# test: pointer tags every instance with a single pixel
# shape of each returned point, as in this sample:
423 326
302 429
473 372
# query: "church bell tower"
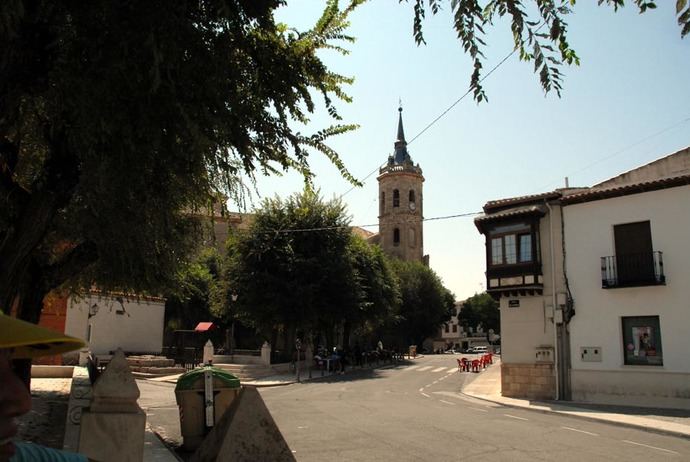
400 203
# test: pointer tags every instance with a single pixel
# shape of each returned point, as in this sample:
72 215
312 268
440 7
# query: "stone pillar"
266 354
113 427
208 352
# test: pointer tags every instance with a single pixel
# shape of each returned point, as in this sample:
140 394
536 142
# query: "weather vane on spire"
399 104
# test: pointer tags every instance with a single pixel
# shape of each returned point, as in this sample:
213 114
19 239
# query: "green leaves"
549 51
683 12
126 121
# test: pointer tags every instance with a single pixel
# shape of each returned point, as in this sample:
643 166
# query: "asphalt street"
416 412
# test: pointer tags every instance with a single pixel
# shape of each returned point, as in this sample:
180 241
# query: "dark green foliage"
300 267
119 118
286 275
426 303
481 309
540 38
196 287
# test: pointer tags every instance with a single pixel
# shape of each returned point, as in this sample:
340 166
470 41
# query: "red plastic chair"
475 365
465 365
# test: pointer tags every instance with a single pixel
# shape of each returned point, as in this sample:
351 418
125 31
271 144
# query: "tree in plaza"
197 285
379 298
299 268
291 269
425 303
480 309
119 118
539 27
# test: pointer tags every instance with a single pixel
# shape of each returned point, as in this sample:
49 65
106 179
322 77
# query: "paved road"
417 413
158 400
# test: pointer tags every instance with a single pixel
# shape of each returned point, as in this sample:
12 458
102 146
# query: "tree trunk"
347 329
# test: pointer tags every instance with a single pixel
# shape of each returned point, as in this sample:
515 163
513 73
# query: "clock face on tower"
412 206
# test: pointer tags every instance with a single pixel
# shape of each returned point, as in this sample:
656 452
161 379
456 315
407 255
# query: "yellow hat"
30 341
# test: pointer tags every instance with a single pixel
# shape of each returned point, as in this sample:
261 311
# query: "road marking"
411 368
425 368
439 369
434 382
422 389
651 447
424 394
477 409
580 431
447 402
515 417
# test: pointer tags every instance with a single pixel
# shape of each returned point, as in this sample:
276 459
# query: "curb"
658 431
317 378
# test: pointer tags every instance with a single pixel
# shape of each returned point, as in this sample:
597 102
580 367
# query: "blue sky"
627 104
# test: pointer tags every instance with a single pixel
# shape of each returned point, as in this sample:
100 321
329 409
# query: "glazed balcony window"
510 249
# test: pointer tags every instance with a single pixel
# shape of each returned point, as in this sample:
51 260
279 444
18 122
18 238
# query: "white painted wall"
524 329
138 329
589 236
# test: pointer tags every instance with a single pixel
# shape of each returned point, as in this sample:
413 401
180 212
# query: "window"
447 328
634 256
512 248
411 197
497 251
396 198
383 203
642 341
396 236
455 328
525 248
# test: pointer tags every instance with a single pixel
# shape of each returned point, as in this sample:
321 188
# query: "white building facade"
594 288
109 322
628 266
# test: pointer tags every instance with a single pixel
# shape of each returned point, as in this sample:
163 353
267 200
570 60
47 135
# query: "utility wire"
621 151
433 122
330 228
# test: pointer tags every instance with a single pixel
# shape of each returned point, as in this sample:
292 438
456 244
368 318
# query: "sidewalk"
487 386
287 379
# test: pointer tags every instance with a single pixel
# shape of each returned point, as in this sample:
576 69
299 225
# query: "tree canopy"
119 121
425 302
300 268
539 28
480 310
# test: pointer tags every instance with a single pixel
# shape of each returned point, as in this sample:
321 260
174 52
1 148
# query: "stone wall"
530 381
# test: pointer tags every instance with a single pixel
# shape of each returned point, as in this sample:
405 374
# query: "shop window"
642 341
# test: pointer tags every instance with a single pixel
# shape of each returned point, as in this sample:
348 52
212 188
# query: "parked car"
478 350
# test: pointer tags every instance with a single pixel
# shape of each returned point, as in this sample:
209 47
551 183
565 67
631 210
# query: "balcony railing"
629 270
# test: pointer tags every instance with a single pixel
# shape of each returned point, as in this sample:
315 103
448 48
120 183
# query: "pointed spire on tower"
401 132
401 155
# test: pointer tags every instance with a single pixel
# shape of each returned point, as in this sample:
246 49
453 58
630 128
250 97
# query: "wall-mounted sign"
513 303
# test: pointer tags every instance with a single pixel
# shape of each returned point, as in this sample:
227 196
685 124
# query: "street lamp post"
298 346
233 297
